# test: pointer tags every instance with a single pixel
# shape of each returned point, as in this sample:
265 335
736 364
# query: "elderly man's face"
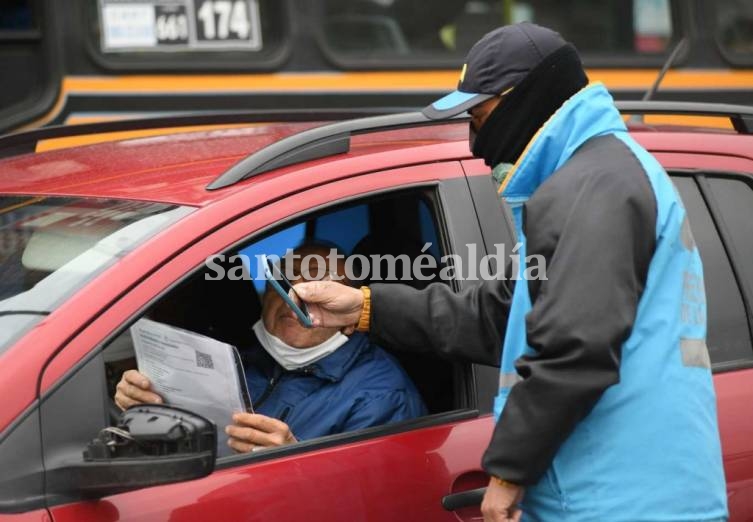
281 321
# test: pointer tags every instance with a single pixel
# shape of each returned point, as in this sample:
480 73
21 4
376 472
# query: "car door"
716 192
719 195
402 471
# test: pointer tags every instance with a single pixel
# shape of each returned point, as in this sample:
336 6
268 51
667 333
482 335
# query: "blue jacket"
605 374
357 386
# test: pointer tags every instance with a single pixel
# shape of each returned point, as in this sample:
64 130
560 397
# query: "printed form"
194 372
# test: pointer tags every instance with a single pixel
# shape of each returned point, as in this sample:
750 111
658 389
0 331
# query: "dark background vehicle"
387 185
83 60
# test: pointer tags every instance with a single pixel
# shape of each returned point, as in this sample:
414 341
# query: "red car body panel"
735 411
354 484
38 515
723 144
175 169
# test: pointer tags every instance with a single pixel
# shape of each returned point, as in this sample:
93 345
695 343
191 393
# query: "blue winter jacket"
357 386
606 404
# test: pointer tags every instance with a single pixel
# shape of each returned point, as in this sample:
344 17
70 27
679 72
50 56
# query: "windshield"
51 247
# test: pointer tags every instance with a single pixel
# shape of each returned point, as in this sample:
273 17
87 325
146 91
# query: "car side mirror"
151 445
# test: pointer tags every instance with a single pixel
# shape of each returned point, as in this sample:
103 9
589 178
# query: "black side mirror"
151 445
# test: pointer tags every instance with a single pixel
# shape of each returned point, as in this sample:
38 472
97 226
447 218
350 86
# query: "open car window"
225 308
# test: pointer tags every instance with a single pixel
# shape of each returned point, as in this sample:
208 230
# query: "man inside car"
305 382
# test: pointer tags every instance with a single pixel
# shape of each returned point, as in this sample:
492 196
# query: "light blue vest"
649 450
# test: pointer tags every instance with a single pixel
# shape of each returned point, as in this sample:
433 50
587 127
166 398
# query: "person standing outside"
606 408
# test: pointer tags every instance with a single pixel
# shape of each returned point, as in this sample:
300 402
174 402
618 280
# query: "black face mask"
520 114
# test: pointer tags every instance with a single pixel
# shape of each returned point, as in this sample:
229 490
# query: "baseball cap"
495 64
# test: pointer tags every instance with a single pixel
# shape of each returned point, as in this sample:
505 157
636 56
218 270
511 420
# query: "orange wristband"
365 319
504 483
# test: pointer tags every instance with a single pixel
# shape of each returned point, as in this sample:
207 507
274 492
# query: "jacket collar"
332 368
587 114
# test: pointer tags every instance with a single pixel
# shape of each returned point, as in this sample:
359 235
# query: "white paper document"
192 371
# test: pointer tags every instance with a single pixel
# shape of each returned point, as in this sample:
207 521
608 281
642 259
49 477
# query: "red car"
94 237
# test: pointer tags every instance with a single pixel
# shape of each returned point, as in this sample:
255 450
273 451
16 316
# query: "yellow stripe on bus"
440 81
391 81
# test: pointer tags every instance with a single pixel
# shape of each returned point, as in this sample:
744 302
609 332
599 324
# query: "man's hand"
134 388
251 431
331 304
501 502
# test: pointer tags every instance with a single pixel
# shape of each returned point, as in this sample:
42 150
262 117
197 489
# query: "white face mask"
292 358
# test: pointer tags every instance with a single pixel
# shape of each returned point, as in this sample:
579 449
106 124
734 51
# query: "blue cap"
496 64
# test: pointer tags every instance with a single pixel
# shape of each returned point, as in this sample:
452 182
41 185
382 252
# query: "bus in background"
93 60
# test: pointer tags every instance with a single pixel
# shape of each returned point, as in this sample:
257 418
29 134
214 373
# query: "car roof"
175 168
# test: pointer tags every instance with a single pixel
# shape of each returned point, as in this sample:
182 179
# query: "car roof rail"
319 142
328 140
26 141
741 116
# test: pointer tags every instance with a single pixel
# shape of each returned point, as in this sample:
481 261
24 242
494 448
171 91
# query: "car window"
404 30
734 30
343 227
16 15
273 245
50 247
728 336
400 224
734 199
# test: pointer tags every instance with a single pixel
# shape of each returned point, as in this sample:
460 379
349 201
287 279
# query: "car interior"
225 309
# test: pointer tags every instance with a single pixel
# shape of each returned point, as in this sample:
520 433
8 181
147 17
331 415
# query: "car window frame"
487 203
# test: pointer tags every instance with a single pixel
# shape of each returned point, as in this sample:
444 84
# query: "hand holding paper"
190 371
252 432
134 388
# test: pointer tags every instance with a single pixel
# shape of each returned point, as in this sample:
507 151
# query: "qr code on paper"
204 360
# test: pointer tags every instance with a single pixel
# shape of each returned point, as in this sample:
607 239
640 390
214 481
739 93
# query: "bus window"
411 32
164 34
27 65
734 30
15 16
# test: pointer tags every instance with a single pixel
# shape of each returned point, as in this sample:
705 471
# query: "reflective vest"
649 450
